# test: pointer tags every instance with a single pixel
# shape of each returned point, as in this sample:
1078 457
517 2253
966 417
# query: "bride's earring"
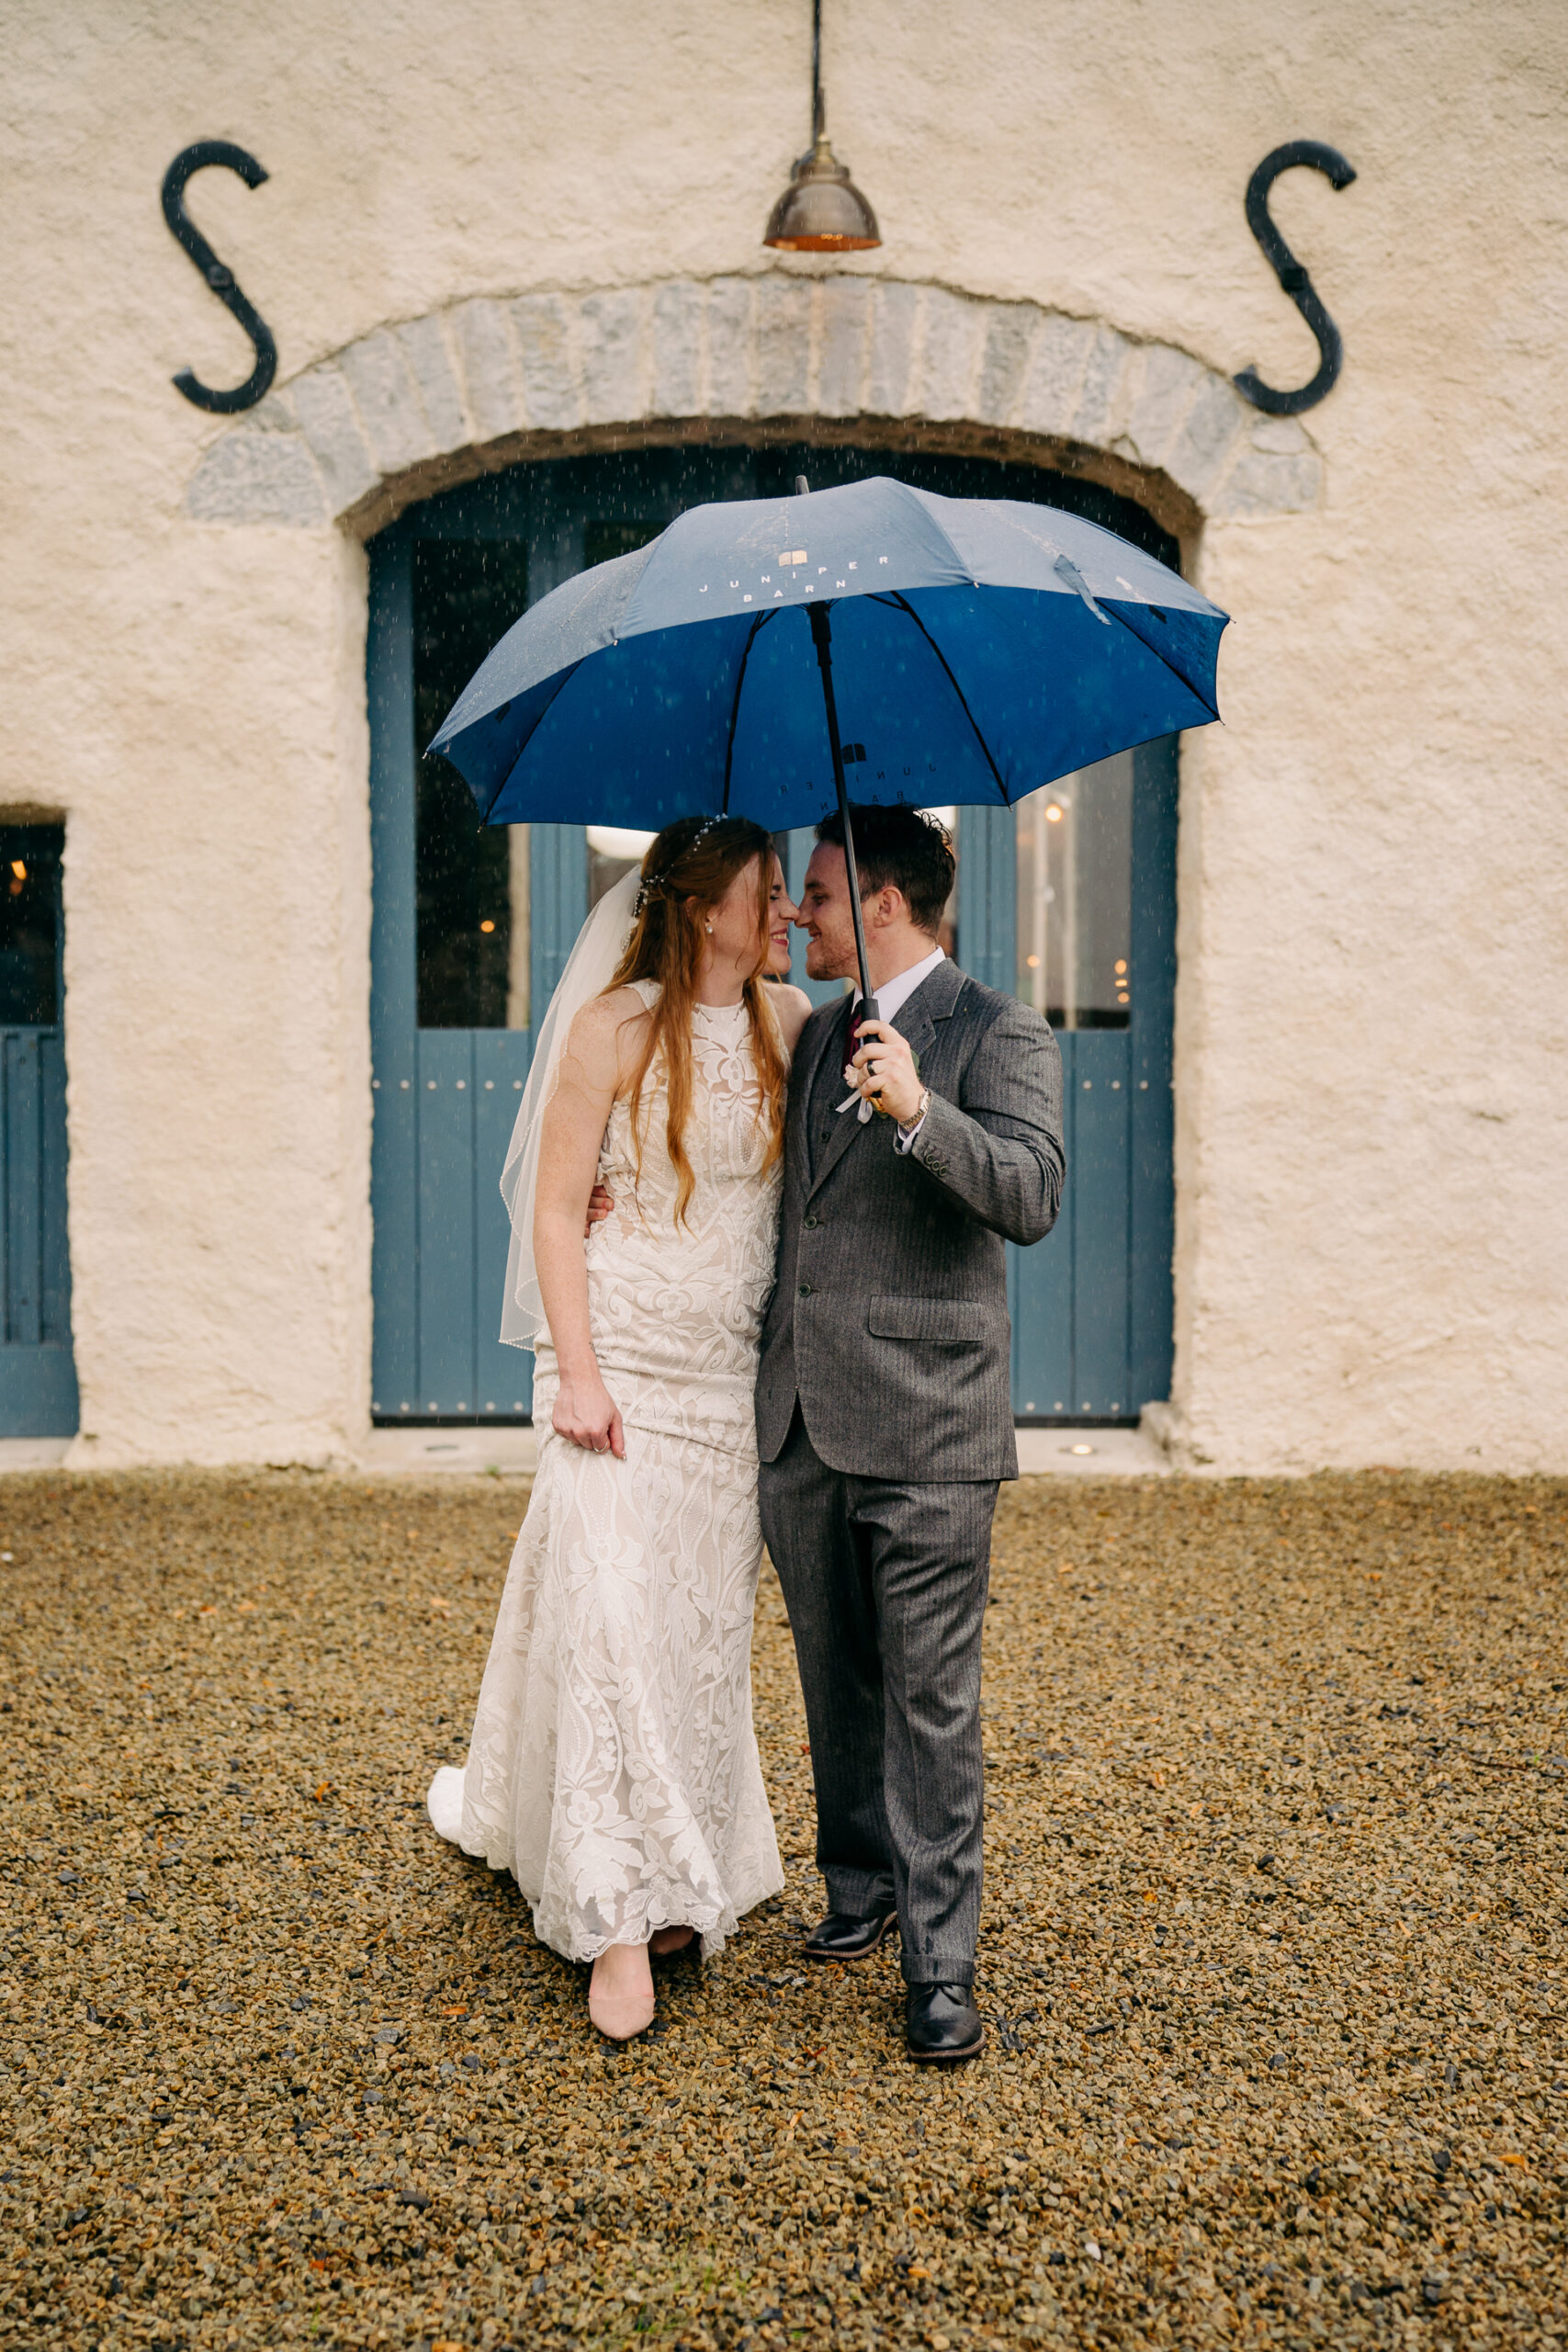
708 928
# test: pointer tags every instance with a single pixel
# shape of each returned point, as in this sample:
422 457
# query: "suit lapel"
816 1041
933 1001
843 1125
919 1021
916 1024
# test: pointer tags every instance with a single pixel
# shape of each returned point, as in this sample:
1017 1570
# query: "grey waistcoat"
888 1319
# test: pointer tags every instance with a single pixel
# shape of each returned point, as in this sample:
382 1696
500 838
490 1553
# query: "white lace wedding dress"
613 1766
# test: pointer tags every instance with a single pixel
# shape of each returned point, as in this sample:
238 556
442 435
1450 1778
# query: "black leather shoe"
942 2024
841 1937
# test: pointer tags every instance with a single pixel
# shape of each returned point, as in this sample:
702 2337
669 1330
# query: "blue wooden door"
38 1371
471 930
445 1084
1092 1306
1074 900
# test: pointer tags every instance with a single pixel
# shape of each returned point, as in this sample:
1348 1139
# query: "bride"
613 1766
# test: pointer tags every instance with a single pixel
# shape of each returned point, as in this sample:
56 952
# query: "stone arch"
410 409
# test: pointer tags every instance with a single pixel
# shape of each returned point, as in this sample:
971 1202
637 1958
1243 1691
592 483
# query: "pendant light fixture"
821 211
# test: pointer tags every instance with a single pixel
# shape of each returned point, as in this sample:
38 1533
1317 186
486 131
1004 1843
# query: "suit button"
810 1223
805 1290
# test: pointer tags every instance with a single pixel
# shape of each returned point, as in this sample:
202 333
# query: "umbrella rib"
565 679
735 706
1150 648
905 606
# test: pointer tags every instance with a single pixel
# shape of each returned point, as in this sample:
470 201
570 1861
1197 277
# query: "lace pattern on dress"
614 1767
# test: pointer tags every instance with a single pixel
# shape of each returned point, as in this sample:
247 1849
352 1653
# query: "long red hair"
688 869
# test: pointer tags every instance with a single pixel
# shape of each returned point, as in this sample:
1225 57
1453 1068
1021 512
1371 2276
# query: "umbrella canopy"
977 649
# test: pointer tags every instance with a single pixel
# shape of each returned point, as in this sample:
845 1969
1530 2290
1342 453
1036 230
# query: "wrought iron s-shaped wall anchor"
1293 278
218 275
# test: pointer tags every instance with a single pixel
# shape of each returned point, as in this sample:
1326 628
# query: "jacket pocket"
939 1322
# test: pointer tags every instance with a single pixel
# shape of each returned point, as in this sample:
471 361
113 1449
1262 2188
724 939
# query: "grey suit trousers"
886 1586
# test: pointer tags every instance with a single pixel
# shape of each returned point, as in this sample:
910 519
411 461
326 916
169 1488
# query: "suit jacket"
888 1318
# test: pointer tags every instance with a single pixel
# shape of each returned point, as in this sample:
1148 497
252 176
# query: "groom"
883 1407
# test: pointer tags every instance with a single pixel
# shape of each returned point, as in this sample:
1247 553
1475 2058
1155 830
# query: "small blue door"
38 1370
1069 902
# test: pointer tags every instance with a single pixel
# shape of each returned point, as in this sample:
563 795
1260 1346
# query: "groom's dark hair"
902 849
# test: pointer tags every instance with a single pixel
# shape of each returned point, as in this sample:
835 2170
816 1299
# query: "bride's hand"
587 1415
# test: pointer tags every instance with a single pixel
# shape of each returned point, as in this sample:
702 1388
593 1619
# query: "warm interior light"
1032 962
1121 964
1080 1449
618 841
18 867
487 926
1054 814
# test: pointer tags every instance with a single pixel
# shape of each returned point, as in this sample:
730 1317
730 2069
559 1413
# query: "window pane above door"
1075 898
29 924
466 594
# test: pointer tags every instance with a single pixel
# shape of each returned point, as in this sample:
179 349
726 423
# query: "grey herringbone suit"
884 1422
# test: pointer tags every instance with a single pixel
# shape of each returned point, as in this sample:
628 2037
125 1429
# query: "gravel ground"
1273 1953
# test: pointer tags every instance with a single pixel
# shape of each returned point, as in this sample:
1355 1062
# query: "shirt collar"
894 994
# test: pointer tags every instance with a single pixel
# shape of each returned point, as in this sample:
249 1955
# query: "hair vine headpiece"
654 883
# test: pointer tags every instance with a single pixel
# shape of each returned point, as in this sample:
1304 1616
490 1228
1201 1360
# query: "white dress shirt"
890 997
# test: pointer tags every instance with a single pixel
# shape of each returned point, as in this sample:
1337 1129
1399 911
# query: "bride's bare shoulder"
607 1033
793 1007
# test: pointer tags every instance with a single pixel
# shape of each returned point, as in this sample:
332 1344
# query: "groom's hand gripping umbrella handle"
866 1009
867 1013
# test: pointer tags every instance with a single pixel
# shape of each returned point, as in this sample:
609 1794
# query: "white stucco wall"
1371 1026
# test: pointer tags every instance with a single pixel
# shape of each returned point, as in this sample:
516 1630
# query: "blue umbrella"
761 656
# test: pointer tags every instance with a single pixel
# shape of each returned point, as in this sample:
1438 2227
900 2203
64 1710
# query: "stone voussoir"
483 370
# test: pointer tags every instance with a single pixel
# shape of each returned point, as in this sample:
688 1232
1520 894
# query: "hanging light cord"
818 111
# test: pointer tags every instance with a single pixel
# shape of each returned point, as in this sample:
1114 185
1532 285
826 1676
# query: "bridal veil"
590 969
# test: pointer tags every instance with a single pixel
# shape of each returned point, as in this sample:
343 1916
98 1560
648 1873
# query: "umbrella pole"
822 638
